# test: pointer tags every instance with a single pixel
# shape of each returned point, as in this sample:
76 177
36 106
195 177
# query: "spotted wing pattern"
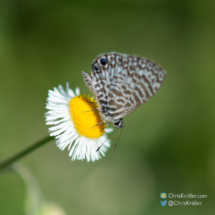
124 83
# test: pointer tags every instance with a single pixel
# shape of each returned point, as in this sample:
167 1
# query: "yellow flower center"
84 118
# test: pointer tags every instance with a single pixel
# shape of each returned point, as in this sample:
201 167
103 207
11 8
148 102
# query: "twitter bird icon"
163 203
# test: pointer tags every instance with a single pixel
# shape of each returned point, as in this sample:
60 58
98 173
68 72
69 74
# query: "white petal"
108 130
77 91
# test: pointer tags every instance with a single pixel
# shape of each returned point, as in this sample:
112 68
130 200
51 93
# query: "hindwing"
125 83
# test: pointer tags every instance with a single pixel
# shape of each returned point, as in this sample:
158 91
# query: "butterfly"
122 83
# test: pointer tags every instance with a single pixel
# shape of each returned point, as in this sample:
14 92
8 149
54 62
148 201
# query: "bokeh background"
168 145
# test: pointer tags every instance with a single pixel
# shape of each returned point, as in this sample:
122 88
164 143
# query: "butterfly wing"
134 81
144 80
124 84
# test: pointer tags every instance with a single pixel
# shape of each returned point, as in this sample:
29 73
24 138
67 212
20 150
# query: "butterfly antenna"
118 139
105 140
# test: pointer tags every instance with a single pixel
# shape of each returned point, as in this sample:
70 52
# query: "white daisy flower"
73 124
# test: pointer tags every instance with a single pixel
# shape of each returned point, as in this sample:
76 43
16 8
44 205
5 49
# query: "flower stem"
6 163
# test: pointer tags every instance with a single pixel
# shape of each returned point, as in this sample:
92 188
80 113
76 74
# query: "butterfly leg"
118 138
102 123
91 110
92 102
105 140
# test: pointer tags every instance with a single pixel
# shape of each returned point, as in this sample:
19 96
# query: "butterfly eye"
103 62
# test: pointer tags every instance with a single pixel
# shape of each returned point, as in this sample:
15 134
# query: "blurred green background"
167 145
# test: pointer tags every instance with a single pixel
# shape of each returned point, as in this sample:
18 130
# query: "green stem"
6 163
